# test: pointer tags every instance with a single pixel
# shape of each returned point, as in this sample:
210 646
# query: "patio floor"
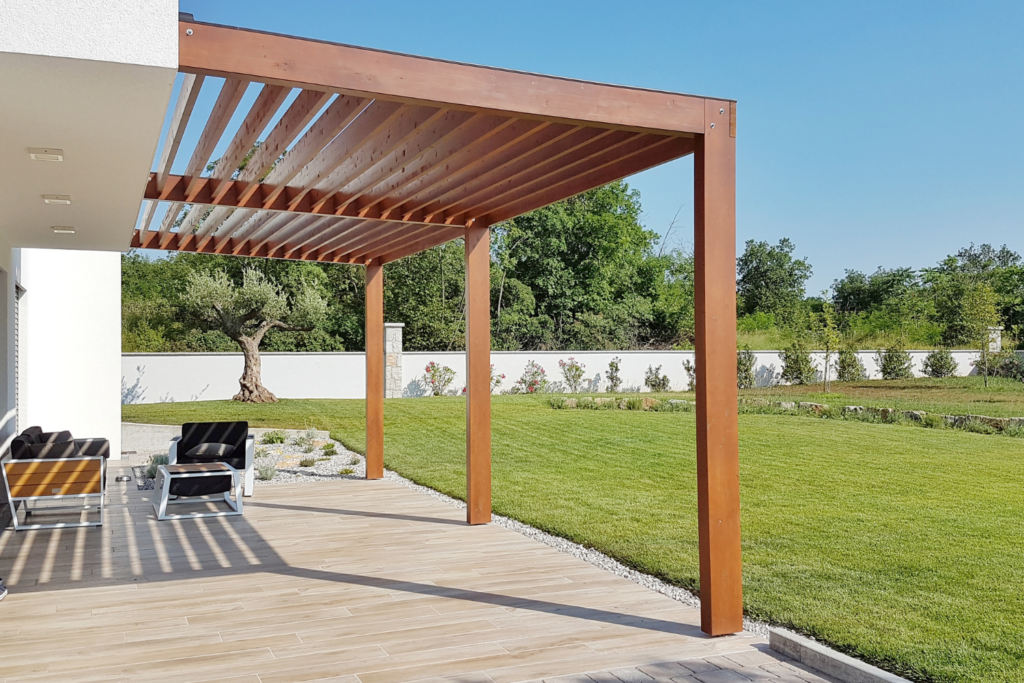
349 581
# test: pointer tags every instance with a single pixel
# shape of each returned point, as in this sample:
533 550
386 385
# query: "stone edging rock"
957 421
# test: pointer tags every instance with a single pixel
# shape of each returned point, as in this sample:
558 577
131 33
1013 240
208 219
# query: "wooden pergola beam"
270 58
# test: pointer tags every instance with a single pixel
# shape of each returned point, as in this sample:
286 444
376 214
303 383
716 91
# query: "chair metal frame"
164 478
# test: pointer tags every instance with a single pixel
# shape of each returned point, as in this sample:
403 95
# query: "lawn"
900 545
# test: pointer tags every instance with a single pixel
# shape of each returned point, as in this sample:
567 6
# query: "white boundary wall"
166 377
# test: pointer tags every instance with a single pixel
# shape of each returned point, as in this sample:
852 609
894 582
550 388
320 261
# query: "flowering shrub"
495 379
572 371
533 380
438 378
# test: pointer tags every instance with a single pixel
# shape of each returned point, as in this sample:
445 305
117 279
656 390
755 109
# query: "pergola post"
374 370
718 480
478 374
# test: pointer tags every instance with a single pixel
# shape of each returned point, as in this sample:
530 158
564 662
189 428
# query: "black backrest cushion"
212 452
54 437
54 450
230 433
32 432
19 446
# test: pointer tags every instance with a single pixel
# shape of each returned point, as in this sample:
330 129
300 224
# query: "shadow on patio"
318 580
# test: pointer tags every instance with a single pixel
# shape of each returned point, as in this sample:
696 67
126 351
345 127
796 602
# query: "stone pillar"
393 360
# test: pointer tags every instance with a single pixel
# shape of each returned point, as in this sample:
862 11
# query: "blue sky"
871 134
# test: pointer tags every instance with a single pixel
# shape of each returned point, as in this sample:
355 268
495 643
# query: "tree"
977 315
246 313
827 333
770 280
589 267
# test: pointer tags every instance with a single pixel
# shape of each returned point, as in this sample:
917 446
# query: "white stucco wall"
166 377
71 342
124 31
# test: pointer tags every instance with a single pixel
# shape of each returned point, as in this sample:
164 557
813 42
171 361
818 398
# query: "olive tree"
246 312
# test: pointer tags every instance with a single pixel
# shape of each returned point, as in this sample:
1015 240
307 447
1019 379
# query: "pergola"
381 155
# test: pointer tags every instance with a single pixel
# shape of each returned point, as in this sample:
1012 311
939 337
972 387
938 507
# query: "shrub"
438 378
933 421
634 403
495 379
586 403
745 368
691 375
1009 364
894 362
558 402
266 471
533 380
154 462
274 436
307 462
1016 431
330 450
614 379
849 368
978 427
572 372
654 380
672 407
939 363
797 366
346 470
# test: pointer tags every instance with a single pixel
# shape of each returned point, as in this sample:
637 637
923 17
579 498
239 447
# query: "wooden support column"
718 477
374 370
478 375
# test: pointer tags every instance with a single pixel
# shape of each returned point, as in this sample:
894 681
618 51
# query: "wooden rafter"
362 164
187 95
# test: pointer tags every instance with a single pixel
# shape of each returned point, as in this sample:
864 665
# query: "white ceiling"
107 117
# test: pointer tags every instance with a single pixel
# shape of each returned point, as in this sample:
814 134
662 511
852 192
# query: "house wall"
166 377
71 342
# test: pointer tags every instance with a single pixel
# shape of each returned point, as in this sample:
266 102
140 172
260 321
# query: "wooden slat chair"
52 467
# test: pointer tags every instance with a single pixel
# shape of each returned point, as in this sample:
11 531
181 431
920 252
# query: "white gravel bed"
286 457
328 470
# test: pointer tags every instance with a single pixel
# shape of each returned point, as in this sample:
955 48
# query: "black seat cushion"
211 452
94 447
51 451
200 486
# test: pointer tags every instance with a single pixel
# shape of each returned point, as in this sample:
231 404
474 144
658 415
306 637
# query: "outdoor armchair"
212 442
53 466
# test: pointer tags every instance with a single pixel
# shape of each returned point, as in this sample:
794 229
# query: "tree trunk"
252 390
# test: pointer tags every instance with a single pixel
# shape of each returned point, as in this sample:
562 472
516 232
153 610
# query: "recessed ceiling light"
57 198
45 154
63 230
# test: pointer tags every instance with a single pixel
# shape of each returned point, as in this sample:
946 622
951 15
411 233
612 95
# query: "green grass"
897 544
